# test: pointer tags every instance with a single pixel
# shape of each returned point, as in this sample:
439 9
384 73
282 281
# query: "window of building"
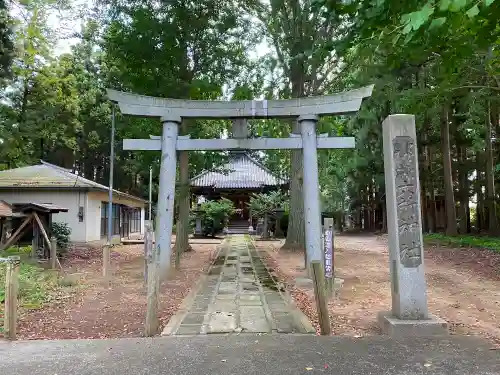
115 219
135 220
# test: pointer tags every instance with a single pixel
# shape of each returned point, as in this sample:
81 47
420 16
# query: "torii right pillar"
409 315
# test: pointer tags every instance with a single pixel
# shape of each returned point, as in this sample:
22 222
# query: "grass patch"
36 284
480 242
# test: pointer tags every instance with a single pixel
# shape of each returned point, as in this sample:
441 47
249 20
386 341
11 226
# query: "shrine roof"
240 172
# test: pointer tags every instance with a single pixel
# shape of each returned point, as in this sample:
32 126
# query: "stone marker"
198 230
409 315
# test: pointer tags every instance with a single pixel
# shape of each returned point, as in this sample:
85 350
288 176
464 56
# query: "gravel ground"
463 285
96 309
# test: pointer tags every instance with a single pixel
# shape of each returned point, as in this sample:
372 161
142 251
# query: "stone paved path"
238 295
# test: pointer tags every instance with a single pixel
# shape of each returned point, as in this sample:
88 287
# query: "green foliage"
479 242
267 203
35 285
6 44
424 57
215 215
62 233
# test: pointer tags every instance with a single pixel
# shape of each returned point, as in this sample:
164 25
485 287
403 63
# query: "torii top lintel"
148 106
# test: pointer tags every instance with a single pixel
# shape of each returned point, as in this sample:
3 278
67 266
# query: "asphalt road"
251 354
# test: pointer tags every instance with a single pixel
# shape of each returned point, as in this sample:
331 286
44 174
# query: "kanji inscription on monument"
409 233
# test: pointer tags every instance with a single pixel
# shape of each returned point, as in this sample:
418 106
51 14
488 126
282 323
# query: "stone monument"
409 315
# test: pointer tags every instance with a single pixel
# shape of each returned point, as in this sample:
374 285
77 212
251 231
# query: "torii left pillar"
165 218
165 206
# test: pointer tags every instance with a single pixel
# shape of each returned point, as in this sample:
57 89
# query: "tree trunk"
480 222
384 216
490 178
463 188
451 216
265 227
182 235
368 215
296 237
423 166
432 194
423 192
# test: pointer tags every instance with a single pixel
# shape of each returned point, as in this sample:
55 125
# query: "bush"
62 233
215 215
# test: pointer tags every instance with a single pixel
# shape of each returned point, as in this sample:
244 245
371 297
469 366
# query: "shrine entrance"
401 174
305 110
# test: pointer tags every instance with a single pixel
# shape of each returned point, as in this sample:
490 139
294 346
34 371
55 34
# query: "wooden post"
148 249
53 253
34 241
321 298
105 260
11 289
153 290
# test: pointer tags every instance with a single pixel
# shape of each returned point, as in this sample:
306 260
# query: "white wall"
93 225
67 199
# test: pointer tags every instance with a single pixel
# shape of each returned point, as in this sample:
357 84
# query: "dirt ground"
463 285
95 309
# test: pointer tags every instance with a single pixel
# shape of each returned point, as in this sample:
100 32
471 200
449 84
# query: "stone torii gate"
409 315
172 111
306 110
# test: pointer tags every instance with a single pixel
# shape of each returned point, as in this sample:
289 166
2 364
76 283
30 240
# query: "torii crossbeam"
305 110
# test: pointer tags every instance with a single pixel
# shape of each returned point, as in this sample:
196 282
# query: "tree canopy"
438 60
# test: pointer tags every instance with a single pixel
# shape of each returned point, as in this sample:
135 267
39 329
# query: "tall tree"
178 49
297 31
6 43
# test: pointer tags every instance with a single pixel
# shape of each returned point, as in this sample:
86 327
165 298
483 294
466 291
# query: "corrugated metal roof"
46 175
241 172
48 207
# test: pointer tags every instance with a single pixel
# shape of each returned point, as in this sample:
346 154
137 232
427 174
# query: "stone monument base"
394 327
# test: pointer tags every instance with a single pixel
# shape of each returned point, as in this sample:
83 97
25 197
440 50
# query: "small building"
237 180
86 201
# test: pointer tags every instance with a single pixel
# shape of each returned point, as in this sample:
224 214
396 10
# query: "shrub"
215 215
62 233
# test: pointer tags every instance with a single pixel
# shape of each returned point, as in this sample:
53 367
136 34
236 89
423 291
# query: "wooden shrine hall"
237 180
